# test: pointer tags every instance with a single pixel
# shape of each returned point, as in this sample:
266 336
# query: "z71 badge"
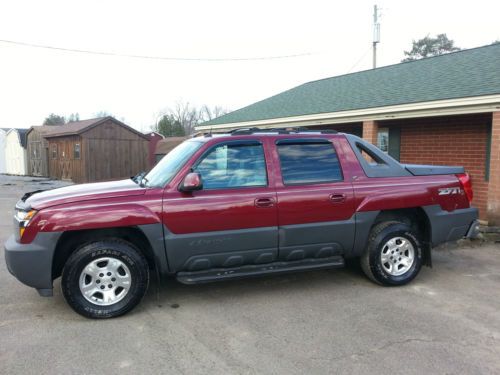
449 191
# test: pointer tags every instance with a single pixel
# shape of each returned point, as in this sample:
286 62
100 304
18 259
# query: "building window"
76 151
54 151
383 139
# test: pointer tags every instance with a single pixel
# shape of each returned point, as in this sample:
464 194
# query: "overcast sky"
337 34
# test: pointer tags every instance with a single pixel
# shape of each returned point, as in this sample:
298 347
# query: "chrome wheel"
397 256
105 281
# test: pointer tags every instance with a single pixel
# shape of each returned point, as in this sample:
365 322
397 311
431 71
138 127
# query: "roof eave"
476 104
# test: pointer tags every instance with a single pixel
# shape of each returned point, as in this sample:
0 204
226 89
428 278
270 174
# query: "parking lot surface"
320 322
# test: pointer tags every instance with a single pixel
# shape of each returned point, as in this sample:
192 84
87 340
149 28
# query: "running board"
220 274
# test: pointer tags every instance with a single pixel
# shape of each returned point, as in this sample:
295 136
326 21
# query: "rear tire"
394 254
105 279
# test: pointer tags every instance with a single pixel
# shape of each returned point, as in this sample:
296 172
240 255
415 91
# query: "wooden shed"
37 151
15 152
154 138
166 145
96 150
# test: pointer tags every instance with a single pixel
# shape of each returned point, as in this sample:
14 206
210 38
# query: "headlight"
25 215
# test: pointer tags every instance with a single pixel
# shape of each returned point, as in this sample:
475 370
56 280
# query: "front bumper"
31 263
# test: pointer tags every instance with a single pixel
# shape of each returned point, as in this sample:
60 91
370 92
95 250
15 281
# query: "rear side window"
233 166
308 163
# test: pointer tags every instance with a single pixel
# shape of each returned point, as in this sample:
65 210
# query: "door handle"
337 198
264 202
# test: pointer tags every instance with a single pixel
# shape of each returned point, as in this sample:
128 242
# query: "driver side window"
233 165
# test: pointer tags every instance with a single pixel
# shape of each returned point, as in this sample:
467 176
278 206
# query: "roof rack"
288 130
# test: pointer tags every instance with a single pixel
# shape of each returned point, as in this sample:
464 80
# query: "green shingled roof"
473 72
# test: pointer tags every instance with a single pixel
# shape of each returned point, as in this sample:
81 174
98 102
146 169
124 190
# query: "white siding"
15 154
2 151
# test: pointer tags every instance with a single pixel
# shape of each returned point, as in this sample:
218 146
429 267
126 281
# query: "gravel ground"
321 322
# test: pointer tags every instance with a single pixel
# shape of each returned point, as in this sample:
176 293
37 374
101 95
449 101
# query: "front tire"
394 254
105 279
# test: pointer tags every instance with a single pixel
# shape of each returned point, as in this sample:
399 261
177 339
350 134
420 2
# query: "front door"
315 203
232 221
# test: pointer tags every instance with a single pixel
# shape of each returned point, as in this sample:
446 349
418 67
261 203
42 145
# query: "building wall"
355 128
3 166
494 188
154 138
15 154
113 151
62 162
457 140
37 153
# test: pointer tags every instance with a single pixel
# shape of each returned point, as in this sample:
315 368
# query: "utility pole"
376 34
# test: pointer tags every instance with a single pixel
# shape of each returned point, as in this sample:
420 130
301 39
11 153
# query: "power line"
102 53
360 59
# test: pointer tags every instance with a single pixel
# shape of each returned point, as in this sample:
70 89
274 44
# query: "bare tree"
102 114
189 116
186 114
209 113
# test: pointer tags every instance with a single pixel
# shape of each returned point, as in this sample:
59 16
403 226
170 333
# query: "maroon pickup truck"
248 203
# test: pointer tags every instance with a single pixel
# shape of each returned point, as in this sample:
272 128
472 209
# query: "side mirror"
192 182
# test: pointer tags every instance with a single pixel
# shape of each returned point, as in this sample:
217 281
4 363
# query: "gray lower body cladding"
32 263
234 248
453 225
230 248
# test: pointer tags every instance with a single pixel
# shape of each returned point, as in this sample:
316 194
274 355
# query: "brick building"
440 110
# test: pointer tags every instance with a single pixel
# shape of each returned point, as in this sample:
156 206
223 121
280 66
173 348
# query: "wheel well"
72 240
417 219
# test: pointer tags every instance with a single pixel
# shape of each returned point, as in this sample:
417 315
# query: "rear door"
230 222
315 201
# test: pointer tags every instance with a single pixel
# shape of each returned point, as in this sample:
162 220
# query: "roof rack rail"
287 130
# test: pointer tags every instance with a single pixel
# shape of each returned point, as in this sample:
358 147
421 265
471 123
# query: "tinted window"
233 166
306 163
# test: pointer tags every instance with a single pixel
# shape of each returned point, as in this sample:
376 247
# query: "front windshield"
166 169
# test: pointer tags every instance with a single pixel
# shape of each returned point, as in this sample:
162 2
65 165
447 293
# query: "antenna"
376 34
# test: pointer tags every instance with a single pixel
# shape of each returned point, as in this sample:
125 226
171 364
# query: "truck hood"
82 192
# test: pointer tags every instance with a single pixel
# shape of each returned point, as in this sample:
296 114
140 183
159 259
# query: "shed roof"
466 73
42 128
21 134
166 145
154 134
79 127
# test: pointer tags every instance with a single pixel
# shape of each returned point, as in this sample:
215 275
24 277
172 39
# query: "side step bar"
220 274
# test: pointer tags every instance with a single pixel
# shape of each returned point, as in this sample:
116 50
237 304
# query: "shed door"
36 158
65 161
